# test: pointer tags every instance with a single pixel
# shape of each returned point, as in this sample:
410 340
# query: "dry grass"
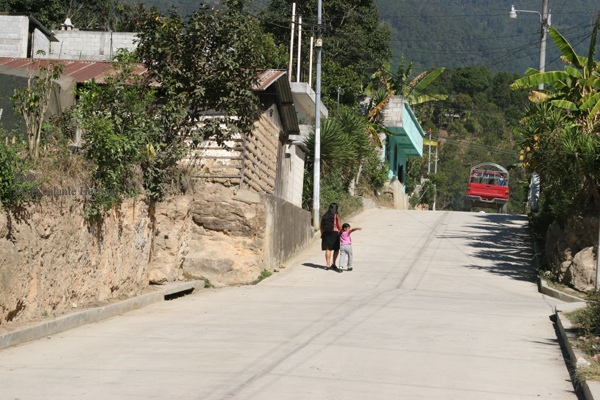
590 372
566 289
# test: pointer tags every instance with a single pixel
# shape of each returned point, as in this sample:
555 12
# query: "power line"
561 8
476 39
413 16
479 146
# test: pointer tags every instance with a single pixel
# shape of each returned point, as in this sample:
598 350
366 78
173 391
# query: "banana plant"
400 84
389 86
574 89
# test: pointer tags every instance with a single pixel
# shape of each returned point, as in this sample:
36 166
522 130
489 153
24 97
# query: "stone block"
247 196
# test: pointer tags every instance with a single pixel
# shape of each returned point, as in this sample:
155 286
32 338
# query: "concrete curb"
547 290
94 314
591 389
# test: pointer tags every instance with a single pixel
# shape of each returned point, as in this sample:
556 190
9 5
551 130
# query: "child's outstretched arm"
355 229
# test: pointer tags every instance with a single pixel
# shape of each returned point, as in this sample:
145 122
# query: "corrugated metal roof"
85 71
266 77
82 71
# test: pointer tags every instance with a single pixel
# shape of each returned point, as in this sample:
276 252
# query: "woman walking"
331 225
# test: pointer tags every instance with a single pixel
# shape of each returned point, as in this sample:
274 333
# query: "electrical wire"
561 8
412 16
476 39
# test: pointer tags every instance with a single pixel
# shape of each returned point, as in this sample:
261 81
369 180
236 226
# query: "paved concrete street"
440 305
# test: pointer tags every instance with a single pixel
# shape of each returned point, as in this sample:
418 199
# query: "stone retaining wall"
571 251
51 259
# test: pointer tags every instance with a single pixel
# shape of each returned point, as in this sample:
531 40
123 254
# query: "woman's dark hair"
329 218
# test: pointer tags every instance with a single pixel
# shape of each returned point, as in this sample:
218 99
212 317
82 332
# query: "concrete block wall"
40 42
394 111
293 175
14 34
90 45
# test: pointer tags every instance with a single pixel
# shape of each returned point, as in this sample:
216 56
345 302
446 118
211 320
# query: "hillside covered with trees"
457 33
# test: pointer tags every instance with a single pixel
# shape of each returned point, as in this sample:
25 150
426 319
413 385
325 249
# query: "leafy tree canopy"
117 14
205 61
354 42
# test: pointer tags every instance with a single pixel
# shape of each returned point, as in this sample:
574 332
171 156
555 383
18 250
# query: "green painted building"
407 140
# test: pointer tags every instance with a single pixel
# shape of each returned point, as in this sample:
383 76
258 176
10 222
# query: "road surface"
440 305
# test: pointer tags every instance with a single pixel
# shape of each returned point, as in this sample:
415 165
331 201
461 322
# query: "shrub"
14 179
588 320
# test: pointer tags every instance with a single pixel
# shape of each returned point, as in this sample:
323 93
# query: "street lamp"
545 21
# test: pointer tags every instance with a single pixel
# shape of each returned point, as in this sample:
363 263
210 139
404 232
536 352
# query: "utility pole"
429 159
338 103
317 164
299 47
435 172
292 42
312 39
436 156
545 25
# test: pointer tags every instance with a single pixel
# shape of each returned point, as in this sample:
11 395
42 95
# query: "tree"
354 41
117 14
205 61
32 102
471 80
402 85
121 130
575 88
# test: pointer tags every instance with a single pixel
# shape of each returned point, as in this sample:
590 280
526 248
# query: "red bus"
487 187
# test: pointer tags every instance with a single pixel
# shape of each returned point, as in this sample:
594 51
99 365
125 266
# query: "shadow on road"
311 265
502 244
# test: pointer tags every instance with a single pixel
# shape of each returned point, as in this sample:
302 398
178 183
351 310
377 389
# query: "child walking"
346 245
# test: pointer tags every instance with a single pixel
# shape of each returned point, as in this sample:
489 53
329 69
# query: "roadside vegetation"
587 337
560 140
559 137
134 128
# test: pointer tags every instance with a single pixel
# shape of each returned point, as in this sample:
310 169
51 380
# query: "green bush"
345 149
16 183
375 171
334 189
588 320
119 125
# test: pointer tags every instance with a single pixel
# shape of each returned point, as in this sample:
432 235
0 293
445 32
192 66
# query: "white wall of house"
304 102
293 178
14 34
88 45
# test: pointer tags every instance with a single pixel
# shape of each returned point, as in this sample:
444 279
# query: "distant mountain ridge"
454 33
458 33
